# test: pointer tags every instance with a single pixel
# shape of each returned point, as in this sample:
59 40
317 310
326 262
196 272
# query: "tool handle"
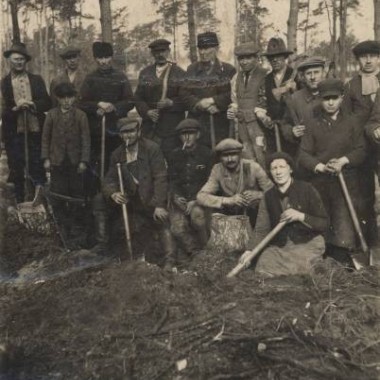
103 149
277 137
125 212
247 260
212 131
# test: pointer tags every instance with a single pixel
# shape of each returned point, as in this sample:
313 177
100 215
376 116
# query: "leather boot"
101 233
169 248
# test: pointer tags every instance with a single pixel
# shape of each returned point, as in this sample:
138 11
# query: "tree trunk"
376 26
305 41
342 39
15 25
292 25
106 20
334 34
192 30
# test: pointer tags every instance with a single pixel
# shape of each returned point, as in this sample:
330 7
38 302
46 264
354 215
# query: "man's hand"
262 115
376 133
166 103
119 198
292 215
180 202
252 196
153 115
100 112
213 109
47 165
190 205
298 130
336 164
160 214
235 200
106 107
205 103
82 167
322 168
232 112
23 105
244 257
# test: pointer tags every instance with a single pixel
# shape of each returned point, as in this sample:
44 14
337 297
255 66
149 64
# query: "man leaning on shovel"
24 101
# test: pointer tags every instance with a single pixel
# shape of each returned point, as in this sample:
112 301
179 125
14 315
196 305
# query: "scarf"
370 83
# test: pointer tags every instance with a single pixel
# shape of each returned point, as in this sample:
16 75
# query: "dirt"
133 320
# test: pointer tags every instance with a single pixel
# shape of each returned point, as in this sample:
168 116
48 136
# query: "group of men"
186 122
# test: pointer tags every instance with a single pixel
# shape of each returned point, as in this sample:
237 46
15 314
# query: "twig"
160 322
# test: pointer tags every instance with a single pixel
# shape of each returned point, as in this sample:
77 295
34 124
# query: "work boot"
101 234
169 248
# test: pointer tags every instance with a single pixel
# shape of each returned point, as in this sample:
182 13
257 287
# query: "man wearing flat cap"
146 190
360 97
249 103
235 184
24 95
279 84
300 106
72 72
207 89
334 143
189 168
106 92
157 97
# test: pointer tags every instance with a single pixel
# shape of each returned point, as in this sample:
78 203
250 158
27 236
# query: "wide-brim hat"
207 39
276 46
228 146
128 123
330 87
246 49
188 125
160 44
19 48
367 47
102 49
69 51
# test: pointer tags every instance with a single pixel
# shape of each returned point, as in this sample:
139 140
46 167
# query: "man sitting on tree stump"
235 185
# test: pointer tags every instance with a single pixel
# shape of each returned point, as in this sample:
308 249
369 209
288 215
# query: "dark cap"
280 156
19 48
207 39
64 89
366 47
128 123
276 46
330 87
246 49
188 125
69 51
315 61
228 146
160 44
102 49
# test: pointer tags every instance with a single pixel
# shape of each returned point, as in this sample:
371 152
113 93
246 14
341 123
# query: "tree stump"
229 233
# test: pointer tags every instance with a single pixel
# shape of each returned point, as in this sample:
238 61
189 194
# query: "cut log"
229 233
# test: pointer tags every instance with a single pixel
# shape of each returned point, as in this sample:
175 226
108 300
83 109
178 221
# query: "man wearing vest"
160 115
249 103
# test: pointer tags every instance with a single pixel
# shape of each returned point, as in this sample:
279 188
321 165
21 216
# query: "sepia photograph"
189 189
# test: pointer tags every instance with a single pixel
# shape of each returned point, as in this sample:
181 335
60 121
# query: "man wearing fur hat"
105 92
279 83
249 103
157 98
72 72
207 89
235 184
24 98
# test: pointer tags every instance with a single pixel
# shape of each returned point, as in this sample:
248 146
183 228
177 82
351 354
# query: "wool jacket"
151 174
60 139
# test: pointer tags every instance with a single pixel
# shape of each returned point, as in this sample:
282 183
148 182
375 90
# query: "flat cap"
128 123
247 48
228 145
311 62
188 125
69 51
207 39
367 47
160 44
330 87
102 49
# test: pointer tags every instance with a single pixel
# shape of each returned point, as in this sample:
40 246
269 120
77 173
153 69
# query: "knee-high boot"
168 246
101 233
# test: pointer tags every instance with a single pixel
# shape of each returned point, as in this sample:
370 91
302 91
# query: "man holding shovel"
334 144
25 100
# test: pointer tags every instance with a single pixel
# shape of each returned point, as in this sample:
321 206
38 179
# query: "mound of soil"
136 321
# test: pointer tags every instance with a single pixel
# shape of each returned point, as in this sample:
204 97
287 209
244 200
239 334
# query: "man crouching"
146 187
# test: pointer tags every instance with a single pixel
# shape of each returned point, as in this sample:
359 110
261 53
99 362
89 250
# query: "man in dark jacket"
24 100
334 143
157 98
146 186
207 89
106 92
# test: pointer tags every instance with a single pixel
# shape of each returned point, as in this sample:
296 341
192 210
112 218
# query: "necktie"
246 77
